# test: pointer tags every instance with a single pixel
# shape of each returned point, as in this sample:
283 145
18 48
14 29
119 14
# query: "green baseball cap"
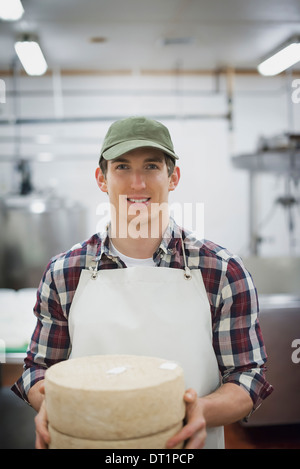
136 132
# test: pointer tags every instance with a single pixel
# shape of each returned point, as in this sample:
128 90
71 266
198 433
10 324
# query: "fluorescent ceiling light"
288 55
31 56
11 10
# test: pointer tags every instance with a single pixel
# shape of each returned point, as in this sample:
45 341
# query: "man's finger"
190 395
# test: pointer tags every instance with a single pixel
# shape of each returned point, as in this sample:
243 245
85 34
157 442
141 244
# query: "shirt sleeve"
50 341
237 336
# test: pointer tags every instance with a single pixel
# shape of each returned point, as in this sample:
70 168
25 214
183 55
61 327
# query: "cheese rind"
84 399
157 441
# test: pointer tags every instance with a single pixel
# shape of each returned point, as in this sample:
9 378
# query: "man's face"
138 185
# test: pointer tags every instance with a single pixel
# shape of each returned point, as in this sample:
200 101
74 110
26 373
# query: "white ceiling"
222 33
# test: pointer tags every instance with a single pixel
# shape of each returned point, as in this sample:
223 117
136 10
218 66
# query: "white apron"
150 311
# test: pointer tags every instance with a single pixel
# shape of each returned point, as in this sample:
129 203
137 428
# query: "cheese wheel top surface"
113 372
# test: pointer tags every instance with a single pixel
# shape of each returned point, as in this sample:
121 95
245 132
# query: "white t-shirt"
132 261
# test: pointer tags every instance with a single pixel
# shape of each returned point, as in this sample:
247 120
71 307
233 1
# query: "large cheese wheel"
156 441
114 397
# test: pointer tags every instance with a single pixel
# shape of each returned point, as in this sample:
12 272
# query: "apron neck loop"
187 271
94 269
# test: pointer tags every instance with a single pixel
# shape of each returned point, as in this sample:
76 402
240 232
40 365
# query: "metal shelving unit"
279 156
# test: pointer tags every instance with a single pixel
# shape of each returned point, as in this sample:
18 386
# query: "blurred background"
193 65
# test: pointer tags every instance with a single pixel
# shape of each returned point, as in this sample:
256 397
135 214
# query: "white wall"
261 107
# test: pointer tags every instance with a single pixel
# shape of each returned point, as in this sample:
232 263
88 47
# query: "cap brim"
124 147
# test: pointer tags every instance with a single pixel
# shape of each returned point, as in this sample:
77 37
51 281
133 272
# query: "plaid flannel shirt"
237 338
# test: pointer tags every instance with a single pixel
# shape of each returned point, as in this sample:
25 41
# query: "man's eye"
152 166
122 166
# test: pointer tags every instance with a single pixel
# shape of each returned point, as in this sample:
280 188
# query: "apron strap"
187 271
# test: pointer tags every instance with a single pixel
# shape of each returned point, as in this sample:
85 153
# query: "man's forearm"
226 405
36 395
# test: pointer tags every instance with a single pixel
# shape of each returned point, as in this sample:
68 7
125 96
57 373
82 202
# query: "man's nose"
137 180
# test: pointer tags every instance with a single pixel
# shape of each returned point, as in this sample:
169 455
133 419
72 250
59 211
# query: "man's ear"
174 179
101 181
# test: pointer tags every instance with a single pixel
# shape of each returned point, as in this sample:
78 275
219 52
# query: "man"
146 286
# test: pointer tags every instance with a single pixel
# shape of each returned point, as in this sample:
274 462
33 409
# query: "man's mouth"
139 200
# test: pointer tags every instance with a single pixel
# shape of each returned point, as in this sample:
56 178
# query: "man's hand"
228 404
41 429
195 429
36 398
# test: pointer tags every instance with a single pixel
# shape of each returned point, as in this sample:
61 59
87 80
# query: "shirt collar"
168 243
170 238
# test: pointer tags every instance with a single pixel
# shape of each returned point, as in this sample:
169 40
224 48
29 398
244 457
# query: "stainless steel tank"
34 228
280 325
278 284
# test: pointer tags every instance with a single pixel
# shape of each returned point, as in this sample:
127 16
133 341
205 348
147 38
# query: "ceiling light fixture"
31 55
285 56
11 10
